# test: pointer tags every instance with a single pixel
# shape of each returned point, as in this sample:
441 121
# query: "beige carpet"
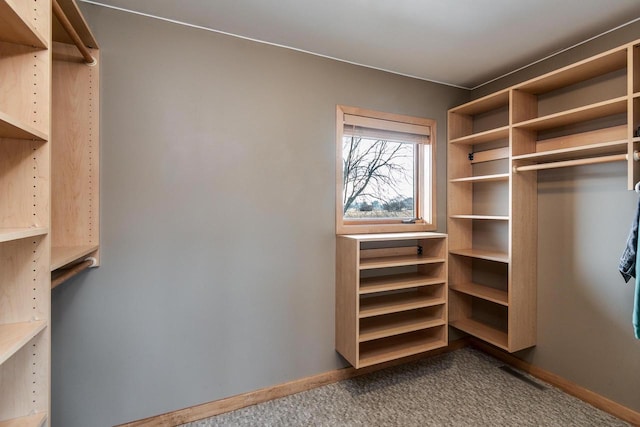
462 388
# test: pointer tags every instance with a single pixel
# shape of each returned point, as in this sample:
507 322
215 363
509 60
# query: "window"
384 172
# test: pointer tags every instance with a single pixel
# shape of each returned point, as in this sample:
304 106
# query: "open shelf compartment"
398 346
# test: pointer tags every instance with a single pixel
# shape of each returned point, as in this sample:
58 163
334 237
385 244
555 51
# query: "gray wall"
584 306
218 186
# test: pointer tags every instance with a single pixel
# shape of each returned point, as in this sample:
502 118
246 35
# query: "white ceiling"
458 42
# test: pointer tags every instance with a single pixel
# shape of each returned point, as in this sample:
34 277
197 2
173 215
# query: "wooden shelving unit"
496 145
391 296
75 204
25 148
480 184
31 132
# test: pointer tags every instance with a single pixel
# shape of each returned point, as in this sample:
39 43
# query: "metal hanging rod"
66 24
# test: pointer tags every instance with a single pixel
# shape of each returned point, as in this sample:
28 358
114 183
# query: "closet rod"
66 24
72 271
567 163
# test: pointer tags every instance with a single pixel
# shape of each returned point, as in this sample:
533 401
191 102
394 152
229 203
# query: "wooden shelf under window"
497 296
383 350
482 254
397 261
395 324
482 217
395 282
13 336
15 29
36 420
392 303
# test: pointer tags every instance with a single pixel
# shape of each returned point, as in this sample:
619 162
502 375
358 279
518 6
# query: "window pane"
379 178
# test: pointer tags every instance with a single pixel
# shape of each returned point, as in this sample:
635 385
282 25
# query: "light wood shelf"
482 254
387 349
576 115
482 137
397 261
615 59
11 234
497 296
483 178
481 105
61 256
14 336
590 150
396 282
395 324
482 331
13 128
36 420
482 217
393 303
16 29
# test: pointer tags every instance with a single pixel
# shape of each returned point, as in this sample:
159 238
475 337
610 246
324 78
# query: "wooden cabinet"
585 113
25 147
75 152
27 174
391 295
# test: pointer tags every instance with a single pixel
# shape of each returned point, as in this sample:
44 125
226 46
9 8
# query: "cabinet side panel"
523 266
75 149
347 279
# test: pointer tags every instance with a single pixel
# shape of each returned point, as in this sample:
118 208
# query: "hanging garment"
636 304
630 265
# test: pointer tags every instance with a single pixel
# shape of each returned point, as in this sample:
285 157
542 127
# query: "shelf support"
68 27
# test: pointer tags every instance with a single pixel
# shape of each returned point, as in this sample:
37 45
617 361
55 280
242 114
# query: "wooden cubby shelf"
13 128
395 324
386 349
13 336
589 68
393 303
485 292
482 254
391 295
482 137
14 28
590 150
482 331
11 234
36 420
396 282
576 115
397 261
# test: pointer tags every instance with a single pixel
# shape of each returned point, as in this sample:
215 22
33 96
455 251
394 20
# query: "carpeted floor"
462 388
